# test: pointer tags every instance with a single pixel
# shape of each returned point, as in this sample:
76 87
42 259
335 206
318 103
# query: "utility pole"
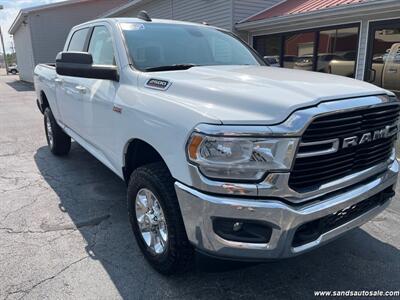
4 49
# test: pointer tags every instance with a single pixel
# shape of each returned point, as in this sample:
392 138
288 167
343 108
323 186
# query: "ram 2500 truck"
221 153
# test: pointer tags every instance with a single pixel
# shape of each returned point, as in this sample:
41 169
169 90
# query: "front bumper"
198 210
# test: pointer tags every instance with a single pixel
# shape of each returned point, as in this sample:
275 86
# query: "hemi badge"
158 84
117 109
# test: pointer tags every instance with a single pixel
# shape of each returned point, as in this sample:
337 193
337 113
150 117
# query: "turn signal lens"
193 146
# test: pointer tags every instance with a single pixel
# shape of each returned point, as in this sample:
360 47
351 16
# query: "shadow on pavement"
94 198
21 86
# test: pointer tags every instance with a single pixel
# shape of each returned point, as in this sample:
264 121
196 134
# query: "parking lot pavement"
64 233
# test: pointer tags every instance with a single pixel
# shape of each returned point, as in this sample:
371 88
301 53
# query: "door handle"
81 89
58 80
393 71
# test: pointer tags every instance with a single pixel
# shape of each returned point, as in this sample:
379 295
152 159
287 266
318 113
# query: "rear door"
68 89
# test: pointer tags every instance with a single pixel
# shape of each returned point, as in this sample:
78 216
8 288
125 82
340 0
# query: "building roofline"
121 8
337 11
262 11
26 11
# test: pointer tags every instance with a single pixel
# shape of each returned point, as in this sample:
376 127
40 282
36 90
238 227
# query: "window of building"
383 59
299 51
101 47
78 40
337 51
270 48
331 50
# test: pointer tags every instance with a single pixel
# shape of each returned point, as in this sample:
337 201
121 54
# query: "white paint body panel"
165 119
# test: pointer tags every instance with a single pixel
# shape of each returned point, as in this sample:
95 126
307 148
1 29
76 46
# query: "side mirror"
80 64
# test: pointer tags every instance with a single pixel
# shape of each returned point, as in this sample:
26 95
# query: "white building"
220 13
40 32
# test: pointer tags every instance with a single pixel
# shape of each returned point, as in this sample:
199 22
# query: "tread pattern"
180 253
62 141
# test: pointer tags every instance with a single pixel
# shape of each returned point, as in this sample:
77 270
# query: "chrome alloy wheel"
49 132
151 221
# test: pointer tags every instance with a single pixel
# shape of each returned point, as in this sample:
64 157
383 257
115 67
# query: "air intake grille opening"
311 172
311 231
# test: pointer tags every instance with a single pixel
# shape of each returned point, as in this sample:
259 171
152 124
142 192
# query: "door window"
101 47
78 40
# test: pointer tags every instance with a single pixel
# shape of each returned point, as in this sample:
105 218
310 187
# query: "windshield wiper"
171 67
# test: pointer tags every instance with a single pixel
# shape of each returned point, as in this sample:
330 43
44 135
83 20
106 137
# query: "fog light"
237 226
242 230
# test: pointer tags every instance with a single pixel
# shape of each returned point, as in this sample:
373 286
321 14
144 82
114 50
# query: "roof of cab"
137 20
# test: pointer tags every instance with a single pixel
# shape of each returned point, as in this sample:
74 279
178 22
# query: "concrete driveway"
64 233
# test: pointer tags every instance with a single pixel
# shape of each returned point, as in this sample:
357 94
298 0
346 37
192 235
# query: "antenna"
143 15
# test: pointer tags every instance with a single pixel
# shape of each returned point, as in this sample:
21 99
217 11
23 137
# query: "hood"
255 94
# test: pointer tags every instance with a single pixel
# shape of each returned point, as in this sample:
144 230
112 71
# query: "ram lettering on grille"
339 144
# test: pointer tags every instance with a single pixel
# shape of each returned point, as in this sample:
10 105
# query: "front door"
382 67
98 102
69 90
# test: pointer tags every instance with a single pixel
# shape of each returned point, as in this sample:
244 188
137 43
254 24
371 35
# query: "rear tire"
175 253
59 142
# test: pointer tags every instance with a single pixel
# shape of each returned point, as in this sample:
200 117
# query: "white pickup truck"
221 153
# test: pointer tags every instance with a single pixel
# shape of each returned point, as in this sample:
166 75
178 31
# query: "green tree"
11 59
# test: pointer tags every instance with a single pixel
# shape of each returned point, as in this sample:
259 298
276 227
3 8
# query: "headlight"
240 158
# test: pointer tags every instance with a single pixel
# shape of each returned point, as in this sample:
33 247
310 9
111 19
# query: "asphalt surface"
64 233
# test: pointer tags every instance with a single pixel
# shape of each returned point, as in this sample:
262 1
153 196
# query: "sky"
10 12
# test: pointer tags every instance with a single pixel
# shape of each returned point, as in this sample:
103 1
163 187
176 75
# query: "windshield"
153 45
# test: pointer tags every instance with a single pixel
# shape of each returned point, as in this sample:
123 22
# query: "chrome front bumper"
198 209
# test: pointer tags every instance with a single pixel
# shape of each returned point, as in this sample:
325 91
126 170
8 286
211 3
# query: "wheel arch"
138 153
44 103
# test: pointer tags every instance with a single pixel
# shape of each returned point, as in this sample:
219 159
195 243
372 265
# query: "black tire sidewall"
140 183
61 141
49 116
178 256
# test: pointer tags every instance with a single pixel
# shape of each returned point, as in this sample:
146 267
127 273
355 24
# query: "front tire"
156 219
59 142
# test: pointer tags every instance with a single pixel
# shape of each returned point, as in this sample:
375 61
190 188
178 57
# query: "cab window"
78 40
101 47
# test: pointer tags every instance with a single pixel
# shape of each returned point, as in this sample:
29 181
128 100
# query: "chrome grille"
311 171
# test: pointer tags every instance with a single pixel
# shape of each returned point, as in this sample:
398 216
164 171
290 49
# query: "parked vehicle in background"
289 61
305 63
272 61
13 69
385 68
391 70
346 67
220 152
